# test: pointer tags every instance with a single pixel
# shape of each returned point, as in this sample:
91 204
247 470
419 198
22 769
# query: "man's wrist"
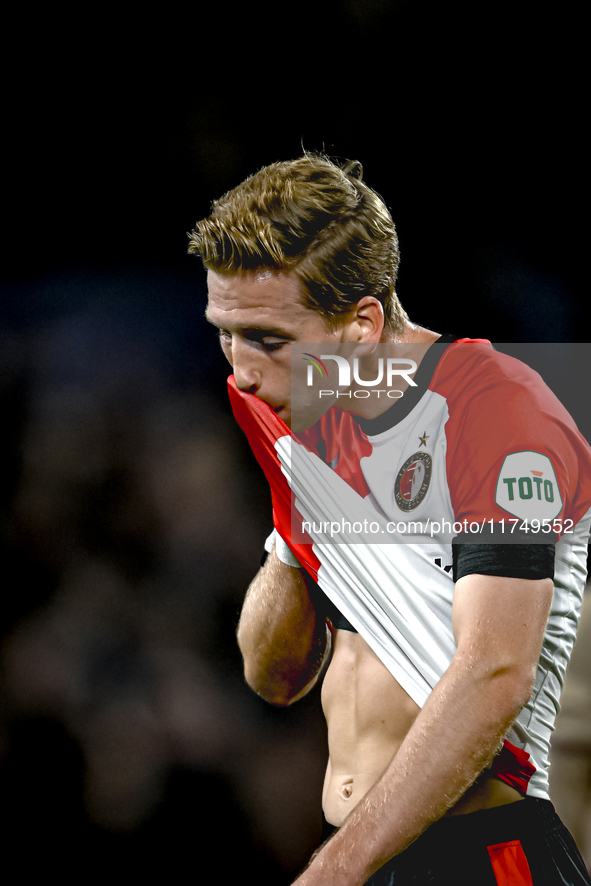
282 550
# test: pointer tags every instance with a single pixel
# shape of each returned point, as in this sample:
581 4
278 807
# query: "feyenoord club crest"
413 481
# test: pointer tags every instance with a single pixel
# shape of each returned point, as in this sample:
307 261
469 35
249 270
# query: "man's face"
259 316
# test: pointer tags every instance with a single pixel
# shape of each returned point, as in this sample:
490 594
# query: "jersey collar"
403 407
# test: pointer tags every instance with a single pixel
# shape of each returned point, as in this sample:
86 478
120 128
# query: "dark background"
132 515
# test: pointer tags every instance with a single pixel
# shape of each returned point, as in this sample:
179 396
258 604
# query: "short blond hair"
317 218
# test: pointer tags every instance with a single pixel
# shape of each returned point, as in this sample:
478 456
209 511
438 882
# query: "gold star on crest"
423 439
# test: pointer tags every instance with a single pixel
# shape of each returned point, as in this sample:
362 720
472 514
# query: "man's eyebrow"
209 319
256 329
266 330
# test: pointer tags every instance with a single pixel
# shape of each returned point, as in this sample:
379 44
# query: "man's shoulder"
469 357
473 371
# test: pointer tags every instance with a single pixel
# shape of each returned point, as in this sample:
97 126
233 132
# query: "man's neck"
410 333
411 342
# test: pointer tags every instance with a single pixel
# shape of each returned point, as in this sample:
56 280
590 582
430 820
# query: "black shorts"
520 844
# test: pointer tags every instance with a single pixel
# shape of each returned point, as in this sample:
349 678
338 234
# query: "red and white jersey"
485 442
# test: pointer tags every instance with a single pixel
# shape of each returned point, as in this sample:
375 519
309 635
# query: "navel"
346 789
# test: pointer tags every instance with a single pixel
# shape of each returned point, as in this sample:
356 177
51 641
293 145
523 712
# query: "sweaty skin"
368 715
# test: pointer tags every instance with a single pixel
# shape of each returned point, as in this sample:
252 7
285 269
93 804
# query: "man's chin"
305 415
285 416
302 422
300 419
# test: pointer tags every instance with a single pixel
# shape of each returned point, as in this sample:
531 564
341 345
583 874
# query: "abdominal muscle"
369 715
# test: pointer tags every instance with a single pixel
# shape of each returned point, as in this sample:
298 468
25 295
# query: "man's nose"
244 359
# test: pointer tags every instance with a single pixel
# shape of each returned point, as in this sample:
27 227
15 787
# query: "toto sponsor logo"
527 487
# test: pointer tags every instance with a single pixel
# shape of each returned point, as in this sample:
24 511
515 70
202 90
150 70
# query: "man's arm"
499 625
282 634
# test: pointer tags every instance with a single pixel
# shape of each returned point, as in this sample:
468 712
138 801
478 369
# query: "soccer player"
442 658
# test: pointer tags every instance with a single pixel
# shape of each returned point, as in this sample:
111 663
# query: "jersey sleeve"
516 462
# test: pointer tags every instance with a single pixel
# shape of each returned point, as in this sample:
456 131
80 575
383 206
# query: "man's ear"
366 322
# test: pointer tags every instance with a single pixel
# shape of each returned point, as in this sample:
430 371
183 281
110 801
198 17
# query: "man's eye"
267 342
273 344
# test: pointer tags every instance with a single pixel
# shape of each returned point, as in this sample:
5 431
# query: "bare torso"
368 716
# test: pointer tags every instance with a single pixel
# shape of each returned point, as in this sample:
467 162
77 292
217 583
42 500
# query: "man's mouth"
281 410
